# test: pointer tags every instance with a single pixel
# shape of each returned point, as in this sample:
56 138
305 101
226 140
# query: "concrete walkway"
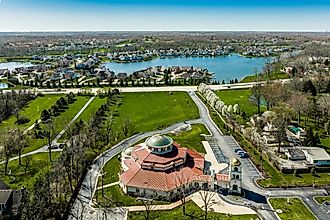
216 205
107 185
210 157
83 203
220 206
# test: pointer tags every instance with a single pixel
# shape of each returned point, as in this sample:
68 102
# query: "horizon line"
77 31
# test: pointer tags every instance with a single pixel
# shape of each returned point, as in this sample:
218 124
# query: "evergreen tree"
308 87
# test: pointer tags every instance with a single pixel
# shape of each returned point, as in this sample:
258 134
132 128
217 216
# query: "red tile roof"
139 177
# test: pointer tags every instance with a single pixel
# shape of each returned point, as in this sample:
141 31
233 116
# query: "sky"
164 15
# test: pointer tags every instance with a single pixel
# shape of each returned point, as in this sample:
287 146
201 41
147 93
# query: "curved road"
82 207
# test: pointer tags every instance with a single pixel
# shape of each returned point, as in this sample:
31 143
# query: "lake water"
13 65
3 86
224 67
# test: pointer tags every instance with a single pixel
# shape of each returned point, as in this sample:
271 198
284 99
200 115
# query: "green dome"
159 140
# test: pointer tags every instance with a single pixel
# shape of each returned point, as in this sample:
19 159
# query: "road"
83 202
155 89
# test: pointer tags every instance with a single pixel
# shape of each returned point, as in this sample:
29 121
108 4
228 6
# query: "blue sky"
157 15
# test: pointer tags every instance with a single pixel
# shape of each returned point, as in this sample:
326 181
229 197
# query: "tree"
45 115
8 141
181 181
257 95
207 198
299 103
283 115
148 204
21 143
50 134
127 127
27 162
272 93
309 87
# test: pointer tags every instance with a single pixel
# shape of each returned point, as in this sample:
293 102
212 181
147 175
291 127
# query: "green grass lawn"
274 178
118 198
64 118
92 108
240 97
156 110
274 76
18 178
322 199
111 168
32 110
192 139
192 209
60 122
294 210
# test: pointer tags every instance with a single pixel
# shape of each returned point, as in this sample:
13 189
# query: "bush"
22 120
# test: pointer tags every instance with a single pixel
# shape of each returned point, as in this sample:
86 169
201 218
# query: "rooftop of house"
317 153
5 195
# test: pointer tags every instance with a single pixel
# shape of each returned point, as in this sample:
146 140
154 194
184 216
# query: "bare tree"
283 115
148 204
207 198
181 183
299 103
273 93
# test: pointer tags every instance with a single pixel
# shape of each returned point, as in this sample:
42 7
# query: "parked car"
239 152
237 149
244 155
53 146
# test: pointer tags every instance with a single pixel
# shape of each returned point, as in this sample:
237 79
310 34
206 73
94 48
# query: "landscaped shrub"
22 120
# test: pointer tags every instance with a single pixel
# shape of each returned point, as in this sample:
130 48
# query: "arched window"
236 169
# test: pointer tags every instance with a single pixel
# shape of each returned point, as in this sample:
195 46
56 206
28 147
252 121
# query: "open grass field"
111 170
19 178
273 76
65 117
60 122
92 108
294 209
192 209
32 110
192 139
240 97
156 110
322 199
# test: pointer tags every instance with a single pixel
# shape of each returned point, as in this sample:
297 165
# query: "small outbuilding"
317 156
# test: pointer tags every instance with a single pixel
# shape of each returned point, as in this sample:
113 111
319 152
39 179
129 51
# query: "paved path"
108 185
251 173
158 89
31 127
89 186
59 135
83 202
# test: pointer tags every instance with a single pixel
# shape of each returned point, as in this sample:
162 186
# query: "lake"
3 86
13 65
224 67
